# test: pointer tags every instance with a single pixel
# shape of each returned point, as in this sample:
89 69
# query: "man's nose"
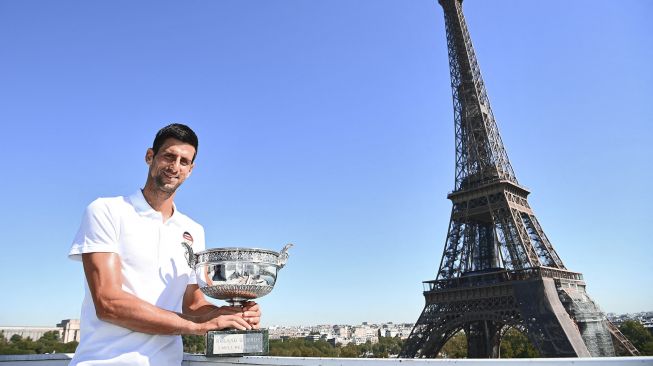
175 164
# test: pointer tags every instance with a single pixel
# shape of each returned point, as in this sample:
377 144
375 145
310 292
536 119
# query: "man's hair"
177 131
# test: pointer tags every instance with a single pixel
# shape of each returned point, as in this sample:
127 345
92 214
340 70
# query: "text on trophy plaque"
237 343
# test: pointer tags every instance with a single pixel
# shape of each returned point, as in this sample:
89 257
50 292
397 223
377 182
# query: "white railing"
194 360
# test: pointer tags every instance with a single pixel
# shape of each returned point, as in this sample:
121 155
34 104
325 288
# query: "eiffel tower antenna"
498 268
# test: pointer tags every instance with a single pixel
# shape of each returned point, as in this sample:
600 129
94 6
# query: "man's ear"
192 165
149 156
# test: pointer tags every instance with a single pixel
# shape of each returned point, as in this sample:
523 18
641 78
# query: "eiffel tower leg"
480 312
432 330
483 339
592 323
549 326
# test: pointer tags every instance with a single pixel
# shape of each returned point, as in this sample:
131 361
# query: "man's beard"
165 187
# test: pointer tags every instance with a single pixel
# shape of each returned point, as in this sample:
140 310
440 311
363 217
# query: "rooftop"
195 360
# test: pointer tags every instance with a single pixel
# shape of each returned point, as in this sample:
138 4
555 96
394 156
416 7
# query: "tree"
349 351
639 336
194 343
19 346
47 343
456 347
16 338
365 349
50 342
299 347
386 347
69 347
515 344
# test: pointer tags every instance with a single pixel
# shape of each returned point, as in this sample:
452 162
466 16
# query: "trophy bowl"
236 275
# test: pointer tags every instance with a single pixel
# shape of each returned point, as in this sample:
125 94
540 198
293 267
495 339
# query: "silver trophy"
236 275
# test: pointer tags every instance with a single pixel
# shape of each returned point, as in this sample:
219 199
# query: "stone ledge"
62 359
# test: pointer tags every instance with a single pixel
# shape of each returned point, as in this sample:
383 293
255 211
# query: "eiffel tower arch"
498 268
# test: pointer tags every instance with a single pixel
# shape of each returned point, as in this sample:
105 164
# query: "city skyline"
327 124
646 314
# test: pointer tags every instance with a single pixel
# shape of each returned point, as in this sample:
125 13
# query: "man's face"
170 167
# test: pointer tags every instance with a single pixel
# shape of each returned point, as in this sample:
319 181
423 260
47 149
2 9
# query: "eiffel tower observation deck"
498 269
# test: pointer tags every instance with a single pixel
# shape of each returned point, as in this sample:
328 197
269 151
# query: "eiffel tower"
499 270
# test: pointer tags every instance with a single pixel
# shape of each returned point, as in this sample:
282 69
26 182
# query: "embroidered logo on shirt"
188 238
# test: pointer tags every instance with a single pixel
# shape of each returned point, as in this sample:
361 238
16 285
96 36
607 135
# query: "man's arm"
195 304
113 305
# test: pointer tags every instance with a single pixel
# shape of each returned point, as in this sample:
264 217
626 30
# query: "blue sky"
328 124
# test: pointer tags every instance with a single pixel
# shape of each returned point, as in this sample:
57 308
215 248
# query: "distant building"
342 331
68 331
312 337
388 333
343 334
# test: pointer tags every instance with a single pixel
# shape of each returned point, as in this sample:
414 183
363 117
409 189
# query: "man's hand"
252 314
208 315
219 322
235 317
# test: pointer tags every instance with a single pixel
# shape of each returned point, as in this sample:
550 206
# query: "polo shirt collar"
144 209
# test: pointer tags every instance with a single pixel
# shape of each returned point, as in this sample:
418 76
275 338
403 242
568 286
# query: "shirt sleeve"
97 232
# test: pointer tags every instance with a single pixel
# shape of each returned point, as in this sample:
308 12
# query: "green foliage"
387 347
298 347
48 343
51 343
639 336
51 336
456 347
515 344
349 351
194 343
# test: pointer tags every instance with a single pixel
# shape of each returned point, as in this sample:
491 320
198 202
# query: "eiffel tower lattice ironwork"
498 269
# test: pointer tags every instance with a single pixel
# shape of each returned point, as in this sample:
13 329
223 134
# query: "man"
140 294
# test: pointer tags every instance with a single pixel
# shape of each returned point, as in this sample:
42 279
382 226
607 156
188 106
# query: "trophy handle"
283 255
190 256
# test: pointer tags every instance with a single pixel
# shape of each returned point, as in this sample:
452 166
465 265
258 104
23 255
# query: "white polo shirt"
154 268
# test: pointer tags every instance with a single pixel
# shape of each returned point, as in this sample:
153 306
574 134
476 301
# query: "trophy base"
234 343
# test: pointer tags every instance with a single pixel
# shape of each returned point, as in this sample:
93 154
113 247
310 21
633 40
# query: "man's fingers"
243 317
238 322
237 325
230 321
